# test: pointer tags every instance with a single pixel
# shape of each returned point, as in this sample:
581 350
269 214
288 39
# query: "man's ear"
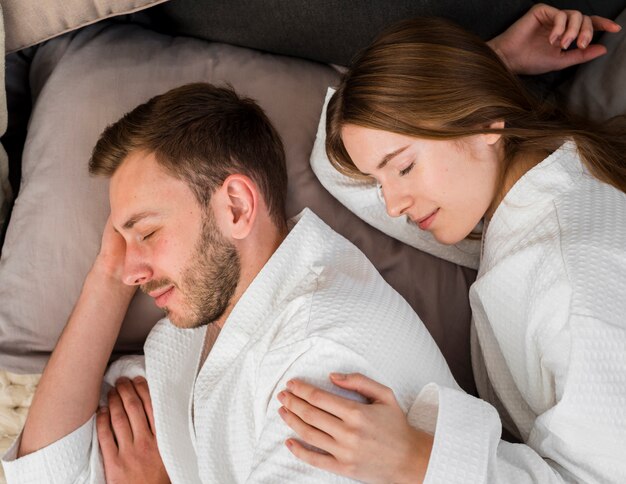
238 199
493 138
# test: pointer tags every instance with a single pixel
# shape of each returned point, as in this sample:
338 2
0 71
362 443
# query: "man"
197 194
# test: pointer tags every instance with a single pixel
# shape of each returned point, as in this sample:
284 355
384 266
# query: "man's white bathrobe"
549 310
317 306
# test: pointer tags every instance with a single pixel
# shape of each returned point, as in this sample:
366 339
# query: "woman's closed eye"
406 170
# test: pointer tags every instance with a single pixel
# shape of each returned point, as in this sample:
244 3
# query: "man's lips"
161 295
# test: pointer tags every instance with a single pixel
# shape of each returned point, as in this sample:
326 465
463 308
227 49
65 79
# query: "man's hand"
110 259
537 42
127 436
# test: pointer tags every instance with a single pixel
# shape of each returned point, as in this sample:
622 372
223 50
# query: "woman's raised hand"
537 42
371 442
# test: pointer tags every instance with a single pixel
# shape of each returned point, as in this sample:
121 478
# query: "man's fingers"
119 420
105 435
141 386
134 408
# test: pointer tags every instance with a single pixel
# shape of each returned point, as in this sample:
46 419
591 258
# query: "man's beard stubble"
209 281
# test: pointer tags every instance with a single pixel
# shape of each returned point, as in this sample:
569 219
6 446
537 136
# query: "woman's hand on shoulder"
538 41
371 442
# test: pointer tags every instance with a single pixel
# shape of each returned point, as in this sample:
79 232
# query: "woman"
439 121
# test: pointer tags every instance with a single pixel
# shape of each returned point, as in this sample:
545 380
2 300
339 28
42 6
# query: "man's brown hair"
201 134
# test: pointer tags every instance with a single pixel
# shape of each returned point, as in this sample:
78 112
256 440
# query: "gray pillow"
29 22
84 82
598 90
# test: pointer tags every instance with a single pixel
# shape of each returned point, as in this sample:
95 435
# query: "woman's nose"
396 204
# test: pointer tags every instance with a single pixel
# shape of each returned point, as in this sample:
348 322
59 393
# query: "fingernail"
338 376
290 384
289 443
554 39
103 410
566 43
584 44
281 396
281 412
139 379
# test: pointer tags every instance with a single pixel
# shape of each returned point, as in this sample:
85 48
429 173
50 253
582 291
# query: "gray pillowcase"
598 90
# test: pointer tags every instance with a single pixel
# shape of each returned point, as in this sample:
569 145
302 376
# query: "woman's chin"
449 238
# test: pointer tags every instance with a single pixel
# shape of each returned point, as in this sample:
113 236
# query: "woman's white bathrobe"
549 309
317 306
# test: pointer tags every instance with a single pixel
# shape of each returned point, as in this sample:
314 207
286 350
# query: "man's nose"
136 269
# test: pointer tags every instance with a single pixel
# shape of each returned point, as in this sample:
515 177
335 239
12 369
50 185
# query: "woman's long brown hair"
429 78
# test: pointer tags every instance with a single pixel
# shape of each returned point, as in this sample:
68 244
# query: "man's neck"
252 262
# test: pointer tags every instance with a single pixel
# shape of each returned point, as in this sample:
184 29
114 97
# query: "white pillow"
365 200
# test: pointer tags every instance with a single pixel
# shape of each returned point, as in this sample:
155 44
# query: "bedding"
111 67
29 22
16 394
79 87
597 90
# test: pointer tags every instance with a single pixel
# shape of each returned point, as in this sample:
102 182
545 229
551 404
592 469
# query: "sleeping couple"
261 309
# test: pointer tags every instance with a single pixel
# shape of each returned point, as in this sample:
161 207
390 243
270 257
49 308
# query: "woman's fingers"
311 434
119 419
586 33
330 403
367 387
556 18
604 24
579 56
322 461
574 23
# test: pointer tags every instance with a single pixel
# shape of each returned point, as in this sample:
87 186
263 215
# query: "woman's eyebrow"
388 157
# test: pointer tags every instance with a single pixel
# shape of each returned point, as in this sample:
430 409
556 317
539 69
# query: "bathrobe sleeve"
272 462
581 438
75 458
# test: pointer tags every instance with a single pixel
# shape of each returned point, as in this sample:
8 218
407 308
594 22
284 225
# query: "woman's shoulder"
592 238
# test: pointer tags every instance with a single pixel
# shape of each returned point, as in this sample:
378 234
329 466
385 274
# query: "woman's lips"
426 222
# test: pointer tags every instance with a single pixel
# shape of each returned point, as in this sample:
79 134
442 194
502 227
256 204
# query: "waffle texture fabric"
550 315
317 306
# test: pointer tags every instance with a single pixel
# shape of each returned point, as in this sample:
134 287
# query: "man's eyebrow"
388 157
136 218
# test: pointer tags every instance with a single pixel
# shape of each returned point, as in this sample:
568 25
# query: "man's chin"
183 322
